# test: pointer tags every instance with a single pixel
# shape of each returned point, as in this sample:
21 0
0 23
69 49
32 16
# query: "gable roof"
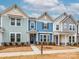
70 17
61 17
64 17
45 14
14 6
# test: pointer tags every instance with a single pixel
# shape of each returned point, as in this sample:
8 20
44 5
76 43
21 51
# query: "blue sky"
36 7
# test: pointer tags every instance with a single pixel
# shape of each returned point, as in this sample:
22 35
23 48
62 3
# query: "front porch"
65 39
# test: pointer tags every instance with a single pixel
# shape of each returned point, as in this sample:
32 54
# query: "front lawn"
15 49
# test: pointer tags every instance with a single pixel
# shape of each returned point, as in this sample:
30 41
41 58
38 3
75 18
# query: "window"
45 26
12 21
18 22
44 38
65 25
73 38
15 21
57 27
70 39
12 37
70 27
18 37
32 25
41 37
73 27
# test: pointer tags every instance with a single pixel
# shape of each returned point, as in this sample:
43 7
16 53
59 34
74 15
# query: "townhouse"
17 28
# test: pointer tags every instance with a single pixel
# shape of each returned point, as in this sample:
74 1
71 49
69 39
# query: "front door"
32 38
56 39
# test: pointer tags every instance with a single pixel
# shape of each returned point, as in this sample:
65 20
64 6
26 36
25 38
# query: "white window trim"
46 26
72 27
15 36
46 37
31 23
56 27
16 22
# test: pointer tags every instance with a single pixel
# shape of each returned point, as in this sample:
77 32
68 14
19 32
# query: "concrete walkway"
37 51
34 48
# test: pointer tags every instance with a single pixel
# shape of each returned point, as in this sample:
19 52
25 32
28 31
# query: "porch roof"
33 31
63 32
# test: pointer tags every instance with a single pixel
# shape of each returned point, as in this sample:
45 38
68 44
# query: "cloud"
53 7
2 7
34 15
42 2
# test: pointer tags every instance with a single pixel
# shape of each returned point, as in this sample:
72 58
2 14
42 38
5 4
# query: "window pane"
73 38
73 27
12 37
45 26
18 37
70 39
70 27
57 27
12 21
32 25
18 22
44 38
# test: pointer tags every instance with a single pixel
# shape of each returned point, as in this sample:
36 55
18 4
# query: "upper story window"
57 27
45 26
65 25
18 22
15 21
32 25
71 27
12 21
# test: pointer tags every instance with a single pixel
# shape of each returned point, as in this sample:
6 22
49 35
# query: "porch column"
75 38
1 37
65 40
37 38
58 39
28 38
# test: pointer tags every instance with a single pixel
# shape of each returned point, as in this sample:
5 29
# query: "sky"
35 8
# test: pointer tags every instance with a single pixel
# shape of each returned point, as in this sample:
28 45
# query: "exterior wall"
15 29
1 37
40 29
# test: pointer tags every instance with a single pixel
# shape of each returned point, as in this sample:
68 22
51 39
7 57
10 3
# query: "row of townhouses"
18 27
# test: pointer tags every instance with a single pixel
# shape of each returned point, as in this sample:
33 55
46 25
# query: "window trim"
31 23
16 21
58 27
45 26
15 36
